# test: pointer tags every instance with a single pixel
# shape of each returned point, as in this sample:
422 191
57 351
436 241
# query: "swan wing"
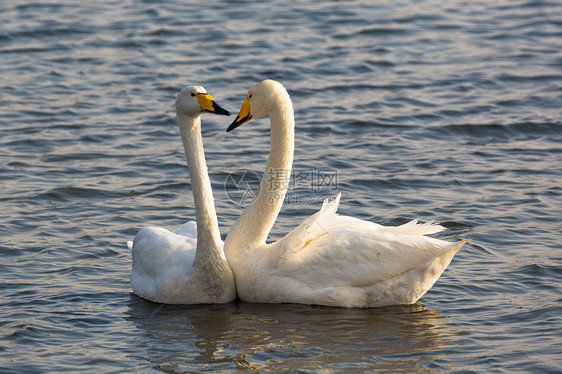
329 249
160 258
188 229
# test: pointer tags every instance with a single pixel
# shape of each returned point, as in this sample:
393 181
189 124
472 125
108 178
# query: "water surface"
415 110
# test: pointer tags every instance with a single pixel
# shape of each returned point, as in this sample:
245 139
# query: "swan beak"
208 105
242 117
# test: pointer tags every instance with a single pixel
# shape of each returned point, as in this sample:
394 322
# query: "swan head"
193 101
262 99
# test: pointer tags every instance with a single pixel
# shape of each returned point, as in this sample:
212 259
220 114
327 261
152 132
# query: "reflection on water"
290 337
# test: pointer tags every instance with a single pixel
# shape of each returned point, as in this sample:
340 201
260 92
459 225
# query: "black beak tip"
238 122
232 126
220 110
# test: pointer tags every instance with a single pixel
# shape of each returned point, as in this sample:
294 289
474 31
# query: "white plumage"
328 259
187 265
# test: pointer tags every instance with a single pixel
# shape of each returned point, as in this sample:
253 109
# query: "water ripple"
422 110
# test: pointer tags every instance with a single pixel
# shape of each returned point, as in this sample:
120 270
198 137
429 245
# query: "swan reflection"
283 337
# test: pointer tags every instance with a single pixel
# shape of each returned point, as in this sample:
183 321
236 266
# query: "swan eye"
249 96
192 94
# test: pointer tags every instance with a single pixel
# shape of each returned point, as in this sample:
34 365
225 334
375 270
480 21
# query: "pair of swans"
328 259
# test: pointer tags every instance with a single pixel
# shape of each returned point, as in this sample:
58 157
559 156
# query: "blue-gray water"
447 111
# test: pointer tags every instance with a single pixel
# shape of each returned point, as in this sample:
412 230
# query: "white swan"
328 259
187 265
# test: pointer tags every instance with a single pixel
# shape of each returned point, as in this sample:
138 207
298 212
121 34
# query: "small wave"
497 131
78 193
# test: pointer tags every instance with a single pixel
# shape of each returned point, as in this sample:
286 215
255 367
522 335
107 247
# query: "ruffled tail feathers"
330 207
415 228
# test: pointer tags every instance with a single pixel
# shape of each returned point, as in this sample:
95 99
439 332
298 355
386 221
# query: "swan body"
328 259
186 265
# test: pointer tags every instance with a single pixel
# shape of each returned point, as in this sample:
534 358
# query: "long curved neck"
253 226
208 234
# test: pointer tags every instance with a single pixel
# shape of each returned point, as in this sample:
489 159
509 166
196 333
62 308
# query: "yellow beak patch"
242 117
206 102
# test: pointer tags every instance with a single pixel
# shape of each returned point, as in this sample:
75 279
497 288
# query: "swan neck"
253 226
208 234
